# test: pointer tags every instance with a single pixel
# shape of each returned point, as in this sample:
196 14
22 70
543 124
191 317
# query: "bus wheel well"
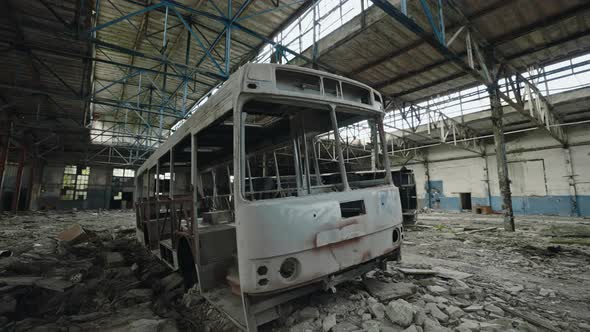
186 263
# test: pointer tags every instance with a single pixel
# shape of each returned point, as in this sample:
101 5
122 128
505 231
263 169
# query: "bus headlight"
290 268
396 235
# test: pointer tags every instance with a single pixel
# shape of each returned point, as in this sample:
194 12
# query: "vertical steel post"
19 178
31 183
486 180
157 193
164 41
502 165
171 191
427 187
228 38
316 164
339 147
388 178
4 140
296 164
307 168
194 174
575 210
277 173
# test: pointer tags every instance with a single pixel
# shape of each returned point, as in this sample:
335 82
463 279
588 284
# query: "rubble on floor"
454 277
450 279
84 271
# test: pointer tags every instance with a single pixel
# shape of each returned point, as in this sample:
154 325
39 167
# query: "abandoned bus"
252 201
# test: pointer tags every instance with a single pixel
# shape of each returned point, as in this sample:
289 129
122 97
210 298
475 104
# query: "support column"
19 179
427 187
32 175
171 189
502 165
486 180
3 157
575 210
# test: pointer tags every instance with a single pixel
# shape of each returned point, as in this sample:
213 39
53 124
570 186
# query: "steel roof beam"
539 111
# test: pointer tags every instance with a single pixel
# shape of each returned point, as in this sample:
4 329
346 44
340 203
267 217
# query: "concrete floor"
450 279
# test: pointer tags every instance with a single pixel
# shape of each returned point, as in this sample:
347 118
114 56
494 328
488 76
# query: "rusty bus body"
239 201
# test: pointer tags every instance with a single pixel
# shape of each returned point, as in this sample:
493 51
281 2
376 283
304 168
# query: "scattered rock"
458 287
139 295
54 284
389 291
7 305
345 327
149 325
451 274
114 259
419 316
329 322
493 309
468 325
412 328
400 312
454 312
515 289
309 313
171 281
547 292
437 289
73 235
433 310
473 308
378 310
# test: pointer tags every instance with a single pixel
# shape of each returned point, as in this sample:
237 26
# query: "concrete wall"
537 168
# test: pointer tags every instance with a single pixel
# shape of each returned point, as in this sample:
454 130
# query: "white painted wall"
537 167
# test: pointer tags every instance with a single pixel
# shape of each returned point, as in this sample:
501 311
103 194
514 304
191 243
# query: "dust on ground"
459 272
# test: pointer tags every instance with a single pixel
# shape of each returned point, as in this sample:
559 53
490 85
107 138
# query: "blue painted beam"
198 40
125 17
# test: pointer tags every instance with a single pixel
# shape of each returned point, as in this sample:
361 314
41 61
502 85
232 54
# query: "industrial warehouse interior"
295 165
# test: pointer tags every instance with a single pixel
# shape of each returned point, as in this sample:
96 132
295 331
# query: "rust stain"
366 256
339 244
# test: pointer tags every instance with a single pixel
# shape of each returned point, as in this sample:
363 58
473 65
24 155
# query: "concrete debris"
329 322
435 312
114 259
389 291
454 312
400 312
547 292
411 271
473 308
493 309
150 325
377 310
451 274
444 283
437 289
54 284
345 327
72 235
412 328
309 313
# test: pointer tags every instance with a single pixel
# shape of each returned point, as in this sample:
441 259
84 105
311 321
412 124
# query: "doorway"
465 201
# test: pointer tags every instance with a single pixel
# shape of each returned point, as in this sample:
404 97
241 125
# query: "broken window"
75 183
123 172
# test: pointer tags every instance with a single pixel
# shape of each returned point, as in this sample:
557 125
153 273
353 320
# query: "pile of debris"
418 298
85 280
